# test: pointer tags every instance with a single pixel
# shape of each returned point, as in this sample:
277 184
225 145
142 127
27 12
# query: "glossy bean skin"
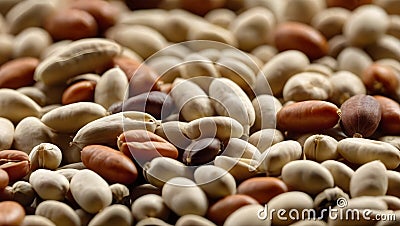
79 92
15 163
390 118
11 213
111 164
314 116
18 73
262 189
380 79
3 179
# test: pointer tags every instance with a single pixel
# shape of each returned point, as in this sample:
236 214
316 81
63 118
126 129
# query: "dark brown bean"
18 73
11 213
202 151
15 163
348 4
390 118
262 189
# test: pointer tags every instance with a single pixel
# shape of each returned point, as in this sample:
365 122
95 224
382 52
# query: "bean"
354 60
328 199
152 221
120 193
380 79
265 107
393 183
150 205
45 155
111 88
220 17
383 48
265 138
35 94
302 11
6 42
390 118
144 189
202 151
23 193
165 66
34 220
320 148
341 173
90 191
6 134
275 157
214 181
183 197
15 106
361 151
264 52
394 26
330 21
211 32
240 168
369 180
82 91
59 213
238 148
113 215
31 42
246 215
307 116
345 84
192 219
262 189
392 202
15 163
4 180
109 163
11 213
307 176
18 73
49 185
195 65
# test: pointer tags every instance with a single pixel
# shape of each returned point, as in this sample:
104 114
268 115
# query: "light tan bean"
35 94
265 107
238 148
320 148
394 26
385 47
214 181
150 205
221 17
120 192
330 21
23 193
15 106
192 219
59 213
211 32
302 10
341 173
307 86
392 202
6 41
240 168
152 221
113 215
34 220
174 132
246 215
49 185
354 60
393 183
345 84
369 180
165 66
265 138
111 88
6 134
45 155
68 173
31 42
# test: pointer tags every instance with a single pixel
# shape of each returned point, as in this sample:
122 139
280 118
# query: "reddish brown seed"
262 189
143 145
18 73
302 37
307 116
11 213
348 4
220 210
112 165
379 79
15 163
360 116
4 180
71 24
79 92
390 118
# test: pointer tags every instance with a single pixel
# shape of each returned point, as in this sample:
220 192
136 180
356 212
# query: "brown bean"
144 145
390 117
262 189
220 210
202 151
379 79
82 91
71 24
3 179
18 73
302 37
11 213
307 116
348 4
15 163
112 165
203 7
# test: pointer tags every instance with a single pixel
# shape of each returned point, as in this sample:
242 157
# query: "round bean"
320 148
49 185
6 134
16 106
150 205
265 138
345 84
341 173
214 181
59 213
11 213
31 42
111 88
369 180
82 91
262 189
23 193
192 219
390 118
45 155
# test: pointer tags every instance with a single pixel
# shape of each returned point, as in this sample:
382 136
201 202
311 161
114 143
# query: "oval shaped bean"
307 176
34 220
341 173
307 116
82 91
238 148
393 183
361 151
16 106
330 21
109 163
298 36
111 88
6 134
4 179
345 84
11 213
307 86
354 60
58 212
247 215
369 179
15 163
214 181
35 94
390 118
150 205
18 73
113 215
265 107
31 42
192 219
240 168
45 155
320 148
23 193
49 185
183 197
262 189
265 138
120 193
201 151
90 191
380 79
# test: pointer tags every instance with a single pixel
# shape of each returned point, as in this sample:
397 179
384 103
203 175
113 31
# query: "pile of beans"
189 112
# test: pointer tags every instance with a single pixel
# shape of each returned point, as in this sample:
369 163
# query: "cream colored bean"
23 193
320 148
220 17
366 25
34 220
192 219
174 132
240 168
90 191
119 192
258 21
278 70
49 185
206 31
385 47
392 202
150 205
238 148
265 138
195 65
354 60
53 92
84 216
31 42
113 215
307 176
6 134
285 201
59 213
246 215
361 150
341 173
265 107
162 169
274 158
152 221
214 181
68 173
302 11
393 183
345 84
55 47
78 57
15 106
70 118
307 86
249 59
183 197
30 132
264 52
369 180
177 24
330 21
45 155
191 100
111 88
166 67
336 45
35 94
7 42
